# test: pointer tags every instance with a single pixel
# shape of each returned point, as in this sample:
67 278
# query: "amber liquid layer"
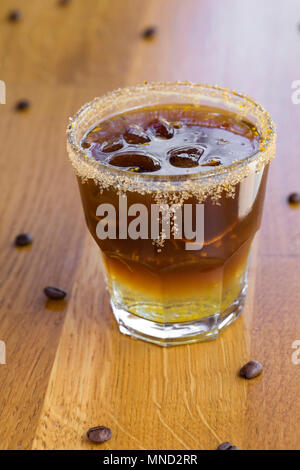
174 284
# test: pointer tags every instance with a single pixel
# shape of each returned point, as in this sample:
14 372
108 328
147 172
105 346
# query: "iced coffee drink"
172 179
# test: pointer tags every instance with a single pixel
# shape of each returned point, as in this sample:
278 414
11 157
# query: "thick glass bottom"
172 334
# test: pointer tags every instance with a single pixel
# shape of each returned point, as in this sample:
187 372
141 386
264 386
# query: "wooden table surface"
67 366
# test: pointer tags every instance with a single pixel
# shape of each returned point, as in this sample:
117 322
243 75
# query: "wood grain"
68 368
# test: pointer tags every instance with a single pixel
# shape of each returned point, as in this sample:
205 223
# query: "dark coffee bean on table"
99 434
54 293
224 446
14 15
294 198
149 32
23 239
251 370
22 105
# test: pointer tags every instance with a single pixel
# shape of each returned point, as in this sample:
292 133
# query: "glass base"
172 334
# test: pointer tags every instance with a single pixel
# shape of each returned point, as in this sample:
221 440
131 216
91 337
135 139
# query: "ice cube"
162 128
135 134
185 157
137 162
112 145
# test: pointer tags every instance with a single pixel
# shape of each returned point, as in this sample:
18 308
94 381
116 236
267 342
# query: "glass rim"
263 155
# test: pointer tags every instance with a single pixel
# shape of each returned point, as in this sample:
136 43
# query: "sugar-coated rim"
85 164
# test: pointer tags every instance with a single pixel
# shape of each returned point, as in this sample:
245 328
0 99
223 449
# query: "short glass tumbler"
160 291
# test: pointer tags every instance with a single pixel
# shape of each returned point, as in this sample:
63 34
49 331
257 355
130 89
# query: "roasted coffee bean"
294 198
14 15
251 369
136 135
54 293
149 32
23 239
22 105
99 434
224 446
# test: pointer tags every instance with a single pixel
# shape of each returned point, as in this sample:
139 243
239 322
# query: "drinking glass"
174 290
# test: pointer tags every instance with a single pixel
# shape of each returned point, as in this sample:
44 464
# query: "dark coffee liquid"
174 284
171 139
